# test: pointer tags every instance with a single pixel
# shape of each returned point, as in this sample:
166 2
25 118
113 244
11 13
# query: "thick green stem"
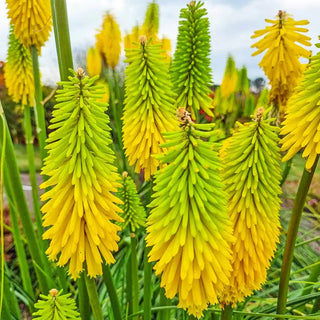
129 285
107 277
134 274
147 290
62 37
39 108
227 313
32 171
292 235
22 207
286 171
93 298
84 306
164 301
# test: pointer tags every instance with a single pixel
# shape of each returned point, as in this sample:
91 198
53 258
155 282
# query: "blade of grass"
22 207
32 173
3 151
21 255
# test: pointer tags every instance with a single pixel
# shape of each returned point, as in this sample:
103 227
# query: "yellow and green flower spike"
190 70
133 214
109 41
282 42
32 21
230 79
188 228
81 202
252 176
302 123
148 106
93 62
18 72
150 25
56 306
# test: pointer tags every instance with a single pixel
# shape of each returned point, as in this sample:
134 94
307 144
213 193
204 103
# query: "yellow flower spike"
32 21
252 176
302 123
106 91
188 228
93 62
81 203
281 63
18 72
109 41
132 37
150 25
230 79
166 47
148 106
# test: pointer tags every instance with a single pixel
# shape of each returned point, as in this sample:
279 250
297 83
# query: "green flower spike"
252 176
56 306
150 25
188 227
148 106
190 71
133 211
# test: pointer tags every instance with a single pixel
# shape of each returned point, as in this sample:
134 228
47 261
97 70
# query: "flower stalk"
39 107
292 236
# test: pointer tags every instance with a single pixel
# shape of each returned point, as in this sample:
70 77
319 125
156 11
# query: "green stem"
22 207
164 301
134 274
129 284
62 37
147 294
32 172
286 171
107 277
84 306
292 235
39 108
114 106
93 298
227 313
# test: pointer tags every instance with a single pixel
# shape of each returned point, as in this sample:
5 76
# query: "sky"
231 25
